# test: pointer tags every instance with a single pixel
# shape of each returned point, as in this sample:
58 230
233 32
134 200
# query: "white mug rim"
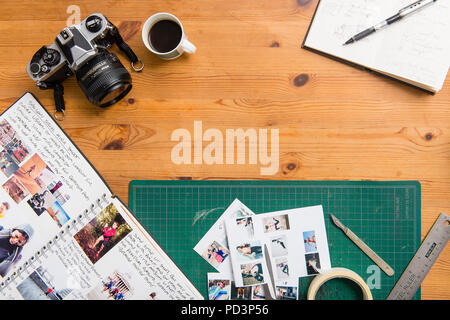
145 36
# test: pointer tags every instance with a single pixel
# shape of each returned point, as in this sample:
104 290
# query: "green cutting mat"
386 215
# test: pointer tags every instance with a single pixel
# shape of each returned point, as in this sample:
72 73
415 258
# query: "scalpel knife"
364 247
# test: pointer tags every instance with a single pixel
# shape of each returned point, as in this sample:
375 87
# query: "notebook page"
418 47
337 20
45 181
415 50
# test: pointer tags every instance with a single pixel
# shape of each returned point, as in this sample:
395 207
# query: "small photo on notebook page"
102 233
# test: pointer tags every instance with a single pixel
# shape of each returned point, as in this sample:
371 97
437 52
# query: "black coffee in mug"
165 35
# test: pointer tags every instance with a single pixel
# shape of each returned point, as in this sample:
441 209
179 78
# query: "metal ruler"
429 251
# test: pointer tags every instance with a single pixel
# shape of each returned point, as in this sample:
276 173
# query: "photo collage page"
296 244
62 234
32 198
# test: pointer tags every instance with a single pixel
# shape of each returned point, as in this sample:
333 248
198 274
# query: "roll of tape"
334 273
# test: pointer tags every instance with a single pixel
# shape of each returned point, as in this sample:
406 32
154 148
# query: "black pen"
400 15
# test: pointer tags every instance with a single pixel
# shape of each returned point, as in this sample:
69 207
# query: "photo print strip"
247 253
213 247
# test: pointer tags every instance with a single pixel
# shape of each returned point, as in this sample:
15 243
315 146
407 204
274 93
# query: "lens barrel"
103 79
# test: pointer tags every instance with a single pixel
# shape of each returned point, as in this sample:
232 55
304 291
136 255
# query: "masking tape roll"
334 273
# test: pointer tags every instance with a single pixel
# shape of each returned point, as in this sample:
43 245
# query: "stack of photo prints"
295 239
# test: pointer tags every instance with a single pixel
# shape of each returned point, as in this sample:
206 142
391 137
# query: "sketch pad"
414 50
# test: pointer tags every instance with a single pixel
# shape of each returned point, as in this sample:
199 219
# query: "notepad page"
336 21
415 50
418 47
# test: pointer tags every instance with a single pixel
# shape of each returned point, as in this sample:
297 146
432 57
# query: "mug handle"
188 46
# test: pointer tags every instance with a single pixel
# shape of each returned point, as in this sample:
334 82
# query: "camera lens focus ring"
104 79
107 80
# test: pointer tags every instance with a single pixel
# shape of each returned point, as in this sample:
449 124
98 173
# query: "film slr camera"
82 50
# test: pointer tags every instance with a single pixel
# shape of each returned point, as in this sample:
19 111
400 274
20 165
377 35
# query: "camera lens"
103 79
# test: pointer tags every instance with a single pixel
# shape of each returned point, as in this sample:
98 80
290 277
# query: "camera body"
81 49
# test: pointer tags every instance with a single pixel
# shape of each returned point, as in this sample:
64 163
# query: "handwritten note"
415 49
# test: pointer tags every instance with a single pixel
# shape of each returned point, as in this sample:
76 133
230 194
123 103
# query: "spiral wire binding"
86 214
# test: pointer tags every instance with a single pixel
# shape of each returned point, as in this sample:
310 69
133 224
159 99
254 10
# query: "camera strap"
126 49
38 55
58 95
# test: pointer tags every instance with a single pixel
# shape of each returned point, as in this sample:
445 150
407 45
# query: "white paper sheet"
296 240
213 247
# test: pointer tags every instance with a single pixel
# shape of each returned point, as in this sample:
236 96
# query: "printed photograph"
58 192
34 174
245 225
47 282
258 292
13 241
114 287
312 263
252 273
5 207
282 268
277 223
287 293
102 233
249 251
17 150
279 246
242 212
219 289
61 197
7 165
309 238
215 254
153 296
7 133
54 186
15 189
58 214
240 293
41 200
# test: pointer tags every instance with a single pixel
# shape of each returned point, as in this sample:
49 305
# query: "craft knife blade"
363 246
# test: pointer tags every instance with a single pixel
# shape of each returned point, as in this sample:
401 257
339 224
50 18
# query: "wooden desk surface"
335 122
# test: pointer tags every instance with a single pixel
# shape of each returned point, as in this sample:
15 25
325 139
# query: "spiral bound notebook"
415 50
63 232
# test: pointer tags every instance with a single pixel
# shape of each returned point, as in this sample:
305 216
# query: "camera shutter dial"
94 23
51 57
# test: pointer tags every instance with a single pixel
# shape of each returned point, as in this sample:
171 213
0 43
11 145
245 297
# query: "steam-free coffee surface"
165 35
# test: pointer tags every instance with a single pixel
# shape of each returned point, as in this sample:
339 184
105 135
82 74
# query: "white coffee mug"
183 46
